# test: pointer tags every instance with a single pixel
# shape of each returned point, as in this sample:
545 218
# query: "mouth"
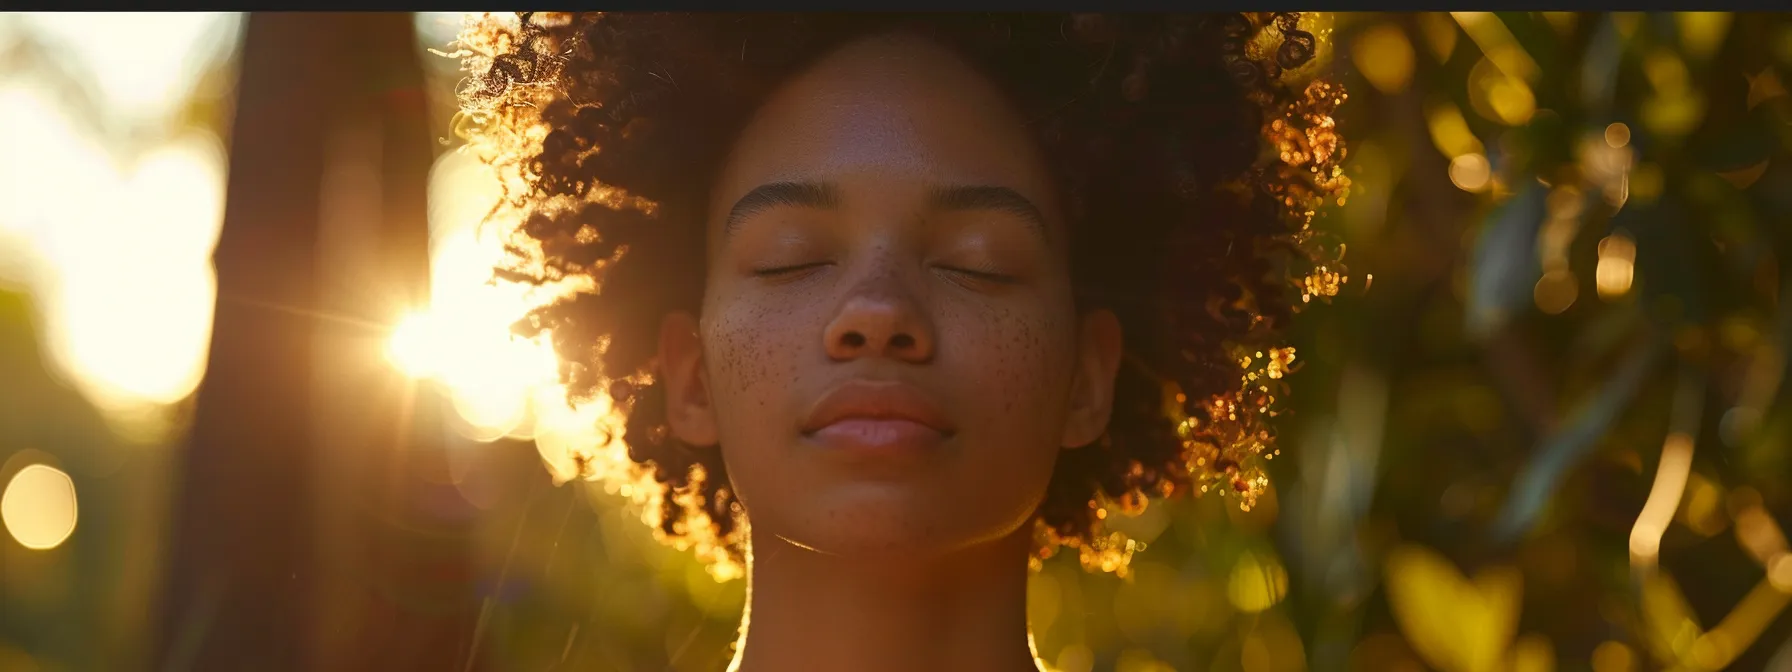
875 415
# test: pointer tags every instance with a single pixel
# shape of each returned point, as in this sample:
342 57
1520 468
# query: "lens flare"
412 349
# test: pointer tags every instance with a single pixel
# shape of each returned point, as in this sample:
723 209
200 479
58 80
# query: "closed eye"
786 271
985 276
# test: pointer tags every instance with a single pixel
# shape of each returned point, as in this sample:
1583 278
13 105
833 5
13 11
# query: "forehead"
889 106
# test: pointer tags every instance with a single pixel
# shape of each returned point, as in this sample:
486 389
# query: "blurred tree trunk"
309 533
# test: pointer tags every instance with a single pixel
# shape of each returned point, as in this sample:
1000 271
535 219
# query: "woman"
922 298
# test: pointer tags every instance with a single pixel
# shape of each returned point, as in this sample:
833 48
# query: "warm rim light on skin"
1664 498
38 507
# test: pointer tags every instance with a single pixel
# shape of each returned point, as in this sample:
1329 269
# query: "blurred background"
1542 428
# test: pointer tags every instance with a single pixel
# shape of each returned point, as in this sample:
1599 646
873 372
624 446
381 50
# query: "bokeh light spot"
38 507
1613 656
1617 266
1256 583
1385 57
1617 135
1470 172
1556 291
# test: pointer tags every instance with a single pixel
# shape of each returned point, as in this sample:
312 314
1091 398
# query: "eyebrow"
764 197
981 197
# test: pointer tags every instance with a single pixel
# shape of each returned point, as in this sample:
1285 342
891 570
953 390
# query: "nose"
880 319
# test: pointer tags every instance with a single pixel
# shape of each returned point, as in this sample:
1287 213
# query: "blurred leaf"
1763 87
1455 624
1490 32
1256 583
1536 485
1673 115
1599 68
1670 626
1746 176
1384 56
1533 653
1702 33
1440 34
1735 142
1504 267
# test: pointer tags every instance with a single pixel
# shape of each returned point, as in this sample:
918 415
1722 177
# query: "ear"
688 408
1092 395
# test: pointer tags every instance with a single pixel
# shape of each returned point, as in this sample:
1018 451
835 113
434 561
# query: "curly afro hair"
1194 149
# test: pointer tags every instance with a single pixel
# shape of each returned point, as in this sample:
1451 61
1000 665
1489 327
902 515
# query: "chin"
887 521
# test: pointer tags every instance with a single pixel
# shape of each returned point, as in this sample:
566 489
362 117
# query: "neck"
811 611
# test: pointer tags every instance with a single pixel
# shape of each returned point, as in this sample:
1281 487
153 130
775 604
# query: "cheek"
752 349
1013 373
1021 360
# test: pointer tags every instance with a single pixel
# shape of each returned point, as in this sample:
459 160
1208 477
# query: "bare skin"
890 358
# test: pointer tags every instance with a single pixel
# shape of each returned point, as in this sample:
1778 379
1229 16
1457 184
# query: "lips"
875 415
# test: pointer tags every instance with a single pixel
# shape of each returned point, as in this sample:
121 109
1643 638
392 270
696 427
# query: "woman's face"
888 355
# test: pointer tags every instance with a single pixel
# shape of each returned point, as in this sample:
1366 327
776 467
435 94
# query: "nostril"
902 341
853 339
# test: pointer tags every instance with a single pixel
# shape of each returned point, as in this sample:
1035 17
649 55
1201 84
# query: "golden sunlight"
38 507
119 260
500 385
411 348
139 81
136 313
464 342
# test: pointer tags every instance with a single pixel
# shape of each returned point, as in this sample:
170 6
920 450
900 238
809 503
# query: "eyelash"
985 276
777 271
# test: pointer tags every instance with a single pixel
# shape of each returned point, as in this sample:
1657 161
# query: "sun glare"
500 385
411 349
137 81
120 259
115 246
